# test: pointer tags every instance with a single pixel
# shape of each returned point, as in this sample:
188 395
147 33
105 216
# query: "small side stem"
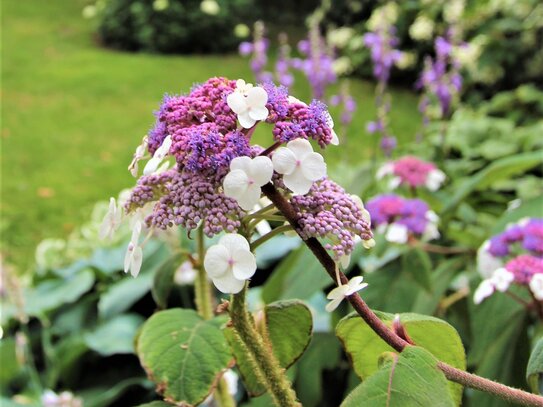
202 288
267 365
268 236
204 306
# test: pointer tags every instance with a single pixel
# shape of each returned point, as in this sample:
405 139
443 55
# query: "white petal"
263 227
248 199
485 289
228 284
313 166
397 233
233 242
394 182
434 179
335 139
284 161
332 305
384 170
241 163
236 101
257 97
216 261
235 184
244 264
137 259
136 231
128 257
245 120
261 170
368 244
345 260
240 84
292 100
258 113
300 147
152 165
502 279
536 286
338 292
297 182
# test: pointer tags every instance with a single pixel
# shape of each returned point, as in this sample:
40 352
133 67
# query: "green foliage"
116 336
410 379
163 280
535 368
183 354
436 336
287 325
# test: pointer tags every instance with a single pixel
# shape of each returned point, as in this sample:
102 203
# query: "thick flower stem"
267 366
204 306
390 337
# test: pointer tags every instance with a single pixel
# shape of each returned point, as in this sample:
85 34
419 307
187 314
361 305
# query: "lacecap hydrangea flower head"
203 172
401 219
514 256
412 172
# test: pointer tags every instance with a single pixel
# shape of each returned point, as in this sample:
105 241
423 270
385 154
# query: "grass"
73 113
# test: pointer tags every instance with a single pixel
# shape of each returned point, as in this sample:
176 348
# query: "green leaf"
503 168
116 336
10 367
418 263
51 294
410 379
535 367
183 354
288 327
364 346
530 208
300 275
163 280
155 404
105 396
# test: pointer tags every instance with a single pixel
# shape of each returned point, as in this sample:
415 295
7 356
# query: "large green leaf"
503 168
183 354
115 336
418 263
288 329
364 346
51 294
534 371
105 396
155 404
410 379
163 280
300 275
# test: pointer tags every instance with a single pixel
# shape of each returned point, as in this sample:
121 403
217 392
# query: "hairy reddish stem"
389 336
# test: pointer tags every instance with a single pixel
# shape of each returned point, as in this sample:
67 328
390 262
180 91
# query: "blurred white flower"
501 279
249 103
340 37
300 165
434 179
397 233
422 28
330 122
111 221
159 155
342 65
339 293
486 263
134 253
210 7
185 274
245 179
138 155
536 286
230 263
65 399
485 289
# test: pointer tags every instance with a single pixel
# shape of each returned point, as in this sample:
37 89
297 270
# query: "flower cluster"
384 55
317 64
218 176
513 256
400 218
65 399
412 172
328 212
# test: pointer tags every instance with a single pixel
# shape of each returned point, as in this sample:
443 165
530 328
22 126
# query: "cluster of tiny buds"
514 256
218 176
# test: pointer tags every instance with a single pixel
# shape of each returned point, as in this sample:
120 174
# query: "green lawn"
73 113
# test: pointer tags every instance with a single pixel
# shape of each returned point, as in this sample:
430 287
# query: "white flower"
185 274
158 156
138 155
249 103
502 279
210 7
368 244
486 263
397 233
384 170
245 179
422 28
434 179
134 253
431 231
335 139
536 285
394 182
339 293
111 221
231 378
295 101
299 165
485 289
229 263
